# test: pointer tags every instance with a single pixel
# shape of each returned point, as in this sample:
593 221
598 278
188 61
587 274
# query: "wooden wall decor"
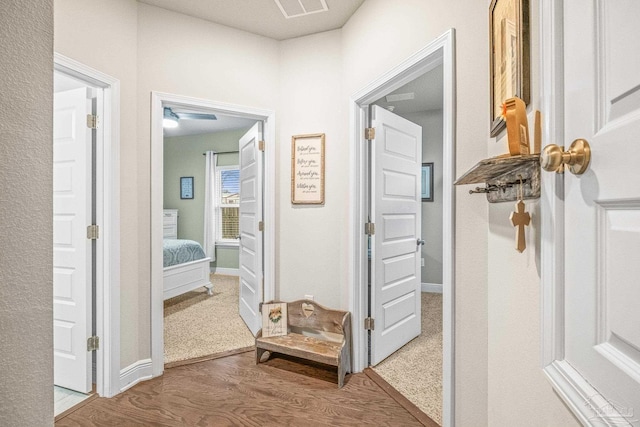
307 169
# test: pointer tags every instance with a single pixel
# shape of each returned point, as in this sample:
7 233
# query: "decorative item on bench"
312 332
274 319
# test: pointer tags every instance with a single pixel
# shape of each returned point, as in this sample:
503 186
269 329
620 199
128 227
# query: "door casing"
268 117
440 51
107 267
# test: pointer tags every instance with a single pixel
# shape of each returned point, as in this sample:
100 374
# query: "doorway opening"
202 231
85 234
387 191
217 189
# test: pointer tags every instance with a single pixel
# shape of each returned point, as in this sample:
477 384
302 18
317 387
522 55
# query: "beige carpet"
196 324
416 369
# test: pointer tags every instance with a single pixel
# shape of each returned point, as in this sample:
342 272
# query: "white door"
395 274
71 248
602 206
250 235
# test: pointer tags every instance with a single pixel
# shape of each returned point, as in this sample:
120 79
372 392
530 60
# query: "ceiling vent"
401 97
297 8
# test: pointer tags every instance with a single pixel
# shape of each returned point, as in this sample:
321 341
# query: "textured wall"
26 197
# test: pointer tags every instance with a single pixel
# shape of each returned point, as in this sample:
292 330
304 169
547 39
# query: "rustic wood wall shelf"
503 176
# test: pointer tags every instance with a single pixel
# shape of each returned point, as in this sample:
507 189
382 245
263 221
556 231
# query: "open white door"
602 208
251 272
395 274
71 248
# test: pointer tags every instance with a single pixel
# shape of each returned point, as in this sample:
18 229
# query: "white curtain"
210 202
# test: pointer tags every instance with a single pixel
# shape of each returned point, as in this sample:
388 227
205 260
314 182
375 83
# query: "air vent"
401 97
297 8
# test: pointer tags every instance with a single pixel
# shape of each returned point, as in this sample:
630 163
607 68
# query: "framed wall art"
509 56
274 319
426 180
186 187
307 169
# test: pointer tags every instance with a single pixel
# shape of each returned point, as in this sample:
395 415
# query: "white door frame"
569 384
440 51
269 132
108 218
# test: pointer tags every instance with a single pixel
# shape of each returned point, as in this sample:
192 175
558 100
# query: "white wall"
379 36
102 35
311 248
517 388
308 80
187 56
431 123
26 209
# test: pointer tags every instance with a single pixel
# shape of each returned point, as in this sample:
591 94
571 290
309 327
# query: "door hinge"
369 323
93 343
92 121
261 145
261 226
93 232
369 228
370 133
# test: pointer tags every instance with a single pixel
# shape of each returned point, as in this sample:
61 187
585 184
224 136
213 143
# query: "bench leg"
259 353
341 374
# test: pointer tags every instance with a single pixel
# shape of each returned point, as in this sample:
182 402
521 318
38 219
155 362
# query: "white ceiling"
263 17
428 94
198 127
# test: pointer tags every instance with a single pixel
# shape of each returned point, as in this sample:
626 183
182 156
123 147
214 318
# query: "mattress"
180 251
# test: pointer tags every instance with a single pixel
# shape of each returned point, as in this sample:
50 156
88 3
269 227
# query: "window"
228 204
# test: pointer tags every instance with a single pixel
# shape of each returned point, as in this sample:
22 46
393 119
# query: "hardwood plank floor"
233 391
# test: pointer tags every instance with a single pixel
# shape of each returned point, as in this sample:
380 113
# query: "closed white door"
251 277
602 206
395 275
71 248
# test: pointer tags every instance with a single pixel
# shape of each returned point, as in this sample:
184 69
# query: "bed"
186 267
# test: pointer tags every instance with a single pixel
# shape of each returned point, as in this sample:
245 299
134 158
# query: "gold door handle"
577 158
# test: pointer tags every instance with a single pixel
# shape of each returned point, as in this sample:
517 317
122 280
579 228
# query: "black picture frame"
186 187
426 182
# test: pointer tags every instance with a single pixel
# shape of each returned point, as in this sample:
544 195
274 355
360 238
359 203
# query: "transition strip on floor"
400 399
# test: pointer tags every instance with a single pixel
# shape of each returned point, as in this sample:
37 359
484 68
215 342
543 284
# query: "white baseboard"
435 288
226 271
134 373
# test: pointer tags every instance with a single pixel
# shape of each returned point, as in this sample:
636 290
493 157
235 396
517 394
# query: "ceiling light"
170 119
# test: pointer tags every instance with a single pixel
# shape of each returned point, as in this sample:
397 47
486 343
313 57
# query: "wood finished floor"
233 391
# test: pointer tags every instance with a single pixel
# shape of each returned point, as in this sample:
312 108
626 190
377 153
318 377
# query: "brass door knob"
577 158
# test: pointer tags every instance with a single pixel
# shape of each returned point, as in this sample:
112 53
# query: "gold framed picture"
510 61
307 169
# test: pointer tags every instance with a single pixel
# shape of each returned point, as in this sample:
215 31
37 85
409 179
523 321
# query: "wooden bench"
314 333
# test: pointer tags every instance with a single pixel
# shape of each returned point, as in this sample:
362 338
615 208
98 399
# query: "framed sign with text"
307 169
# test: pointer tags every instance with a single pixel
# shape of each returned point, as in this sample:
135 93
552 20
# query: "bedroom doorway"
210 174
370 266
85 234
210 184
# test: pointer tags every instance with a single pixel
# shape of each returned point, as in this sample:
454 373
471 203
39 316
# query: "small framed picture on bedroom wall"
186 187
426 180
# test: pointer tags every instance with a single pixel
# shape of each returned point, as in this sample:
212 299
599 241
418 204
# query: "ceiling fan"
170 118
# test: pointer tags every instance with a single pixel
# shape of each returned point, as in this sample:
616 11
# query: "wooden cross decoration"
519 219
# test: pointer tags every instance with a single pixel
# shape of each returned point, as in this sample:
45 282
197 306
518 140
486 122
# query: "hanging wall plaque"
307 169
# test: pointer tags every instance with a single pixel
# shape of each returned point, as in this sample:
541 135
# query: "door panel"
395 275
602 207
71 248
250 235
